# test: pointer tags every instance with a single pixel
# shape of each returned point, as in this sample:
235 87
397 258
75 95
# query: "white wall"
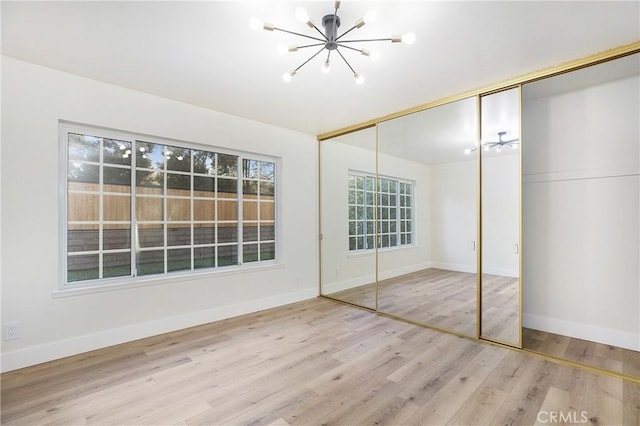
33 100
500 213
581 212
454 216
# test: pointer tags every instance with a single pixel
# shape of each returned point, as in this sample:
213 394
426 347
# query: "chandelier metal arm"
350 48
345 61
312 56
323 40
318 30
310 45
346 32
366 39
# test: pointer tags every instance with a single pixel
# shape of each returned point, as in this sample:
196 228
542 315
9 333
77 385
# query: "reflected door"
500 192
347 217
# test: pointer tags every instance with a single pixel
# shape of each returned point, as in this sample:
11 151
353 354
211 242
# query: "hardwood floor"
314 362
446 299
612 358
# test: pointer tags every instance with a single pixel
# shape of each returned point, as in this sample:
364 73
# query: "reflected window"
394 201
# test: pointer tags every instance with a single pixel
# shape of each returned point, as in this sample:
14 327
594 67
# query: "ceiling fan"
498 145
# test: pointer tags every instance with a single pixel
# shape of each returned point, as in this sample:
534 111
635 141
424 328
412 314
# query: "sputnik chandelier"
331 41
498 145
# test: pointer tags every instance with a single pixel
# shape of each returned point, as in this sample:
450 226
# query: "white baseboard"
334 287
76 345
392 273
501 272
607 336
457 267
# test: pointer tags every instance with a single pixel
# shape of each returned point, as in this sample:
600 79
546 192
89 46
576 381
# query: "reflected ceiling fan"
498 145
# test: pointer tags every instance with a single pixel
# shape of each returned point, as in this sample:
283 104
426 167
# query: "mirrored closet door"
427 216
347 217
581 215
500 149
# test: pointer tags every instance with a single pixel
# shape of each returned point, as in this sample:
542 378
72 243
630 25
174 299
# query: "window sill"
161 280
381 250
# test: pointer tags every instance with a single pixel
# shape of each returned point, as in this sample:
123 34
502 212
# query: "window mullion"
258 214
165 211
133 206
240 206
192 210
100 211
397 207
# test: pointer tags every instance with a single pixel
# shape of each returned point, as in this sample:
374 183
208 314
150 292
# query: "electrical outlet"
11 331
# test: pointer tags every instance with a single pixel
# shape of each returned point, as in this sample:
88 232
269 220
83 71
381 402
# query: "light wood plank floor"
609 357
310 363
446 299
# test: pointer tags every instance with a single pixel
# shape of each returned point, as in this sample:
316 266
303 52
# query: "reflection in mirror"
347 217
500 151
581 215
428 217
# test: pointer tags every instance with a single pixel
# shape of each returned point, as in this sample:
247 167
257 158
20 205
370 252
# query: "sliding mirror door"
347 217
500 177
427 217
581 215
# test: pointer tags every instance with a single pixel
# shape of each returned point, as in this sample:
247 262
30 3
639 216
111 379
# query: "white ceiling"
204 53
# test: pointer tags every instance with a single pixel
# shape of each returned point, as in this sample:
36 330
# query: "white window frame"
378 220
65 128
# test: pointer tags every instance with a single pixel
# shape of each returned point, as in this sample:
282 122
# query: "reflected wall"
347 217
427 267
500 150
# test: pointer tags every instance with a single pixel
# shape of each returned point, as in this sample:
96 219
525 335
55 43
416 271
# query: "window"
139 208
393 199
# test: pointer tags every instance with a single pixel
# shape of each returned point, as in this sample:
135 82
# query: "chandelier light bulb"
142 149
409 38
359 78
326 67
499 148
370 17
287 76
486 147
302 15
467 151
255 24
514 145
